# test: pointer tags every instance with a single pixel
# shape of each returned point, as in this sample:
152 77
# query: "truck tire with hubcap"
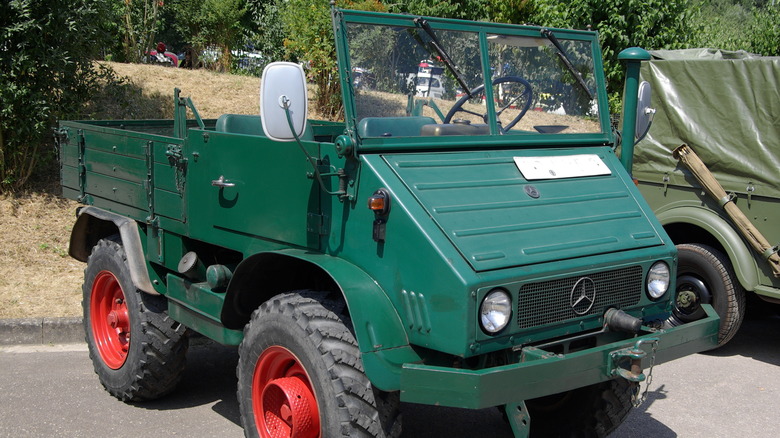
300 374
137 350
705 276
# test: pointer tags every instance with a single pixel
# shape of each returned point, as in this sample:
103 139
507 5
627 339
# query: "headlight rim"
508 316
650 273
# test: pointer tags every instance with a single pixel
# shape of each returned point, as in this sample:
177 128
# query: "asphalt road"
52 391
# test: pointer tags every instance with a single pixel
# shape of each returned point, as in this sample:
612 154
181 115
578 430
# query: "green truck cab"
486 248
735 133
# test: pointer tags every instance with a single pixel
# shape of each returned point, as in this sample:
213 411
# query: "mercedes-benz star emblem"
583 296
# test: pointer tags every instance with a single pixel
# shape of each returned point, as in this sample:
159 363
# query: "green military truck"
724 106
482 249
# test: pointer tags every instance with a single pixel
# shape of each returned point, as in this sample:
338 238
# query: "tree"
213 24
46 71
307 24
222 27
264 30
460 9
140 22
650 24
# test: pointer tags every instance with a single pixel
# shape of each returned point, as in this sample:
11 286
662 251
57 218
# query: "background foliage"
46 70
47 47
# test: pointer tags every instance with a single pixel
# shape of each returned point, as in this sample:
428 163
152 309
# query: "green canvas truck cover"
726 106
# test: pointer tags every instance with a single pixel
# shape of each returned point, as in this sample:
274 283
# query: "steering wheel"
527 92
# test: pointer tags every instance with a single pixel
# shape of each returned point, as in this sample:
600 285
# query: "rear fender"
94 224
720 230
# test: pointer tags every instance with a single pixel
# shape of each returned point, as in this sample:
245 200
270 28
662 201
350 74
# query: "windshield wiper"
565 59
423 23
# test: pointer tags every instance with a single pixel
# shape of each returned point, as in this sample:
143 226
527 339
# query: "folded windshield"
420 73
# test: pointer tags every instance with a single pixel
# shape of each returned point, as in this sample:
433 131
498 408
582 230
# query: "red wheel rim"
109 319
283 401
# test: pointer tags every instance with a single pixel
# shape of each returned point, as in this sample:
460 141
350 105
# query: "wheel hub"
692 292
288 408
686 299
109 319
283 401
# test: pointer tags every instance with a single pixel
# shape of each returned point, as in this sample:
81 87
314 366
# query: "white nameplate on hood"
567 166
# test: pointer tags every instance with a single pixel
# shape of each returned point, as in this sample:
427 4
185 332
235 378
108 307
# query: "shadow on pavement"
209 377
757 339
640 423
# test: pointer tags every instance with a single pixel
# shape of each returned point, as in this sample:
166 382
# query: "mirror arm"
341 193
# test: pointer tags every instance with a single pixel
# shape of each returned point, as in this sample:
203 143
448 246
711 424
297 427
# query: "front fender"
721 230
381 336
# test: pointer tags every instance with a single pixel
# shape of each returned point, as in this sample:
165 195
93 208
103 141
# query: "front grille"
551 301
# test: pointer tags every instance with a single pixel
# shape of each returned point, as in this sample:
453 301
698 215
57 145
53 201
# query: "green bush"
46 72
732 25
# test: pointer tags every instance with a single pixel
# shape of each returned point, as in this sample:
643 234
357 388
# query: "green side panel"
128 168
168 204
121 191
69 193
266 194
69 177
69 153
482 204
118 142
165 177
197 306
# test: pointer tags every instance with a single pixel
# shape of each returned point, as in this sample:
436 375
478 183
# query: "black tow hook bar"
618 320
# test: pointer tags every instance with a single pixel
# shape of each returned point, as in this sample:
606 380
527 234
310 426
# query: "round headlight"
658 280
495 311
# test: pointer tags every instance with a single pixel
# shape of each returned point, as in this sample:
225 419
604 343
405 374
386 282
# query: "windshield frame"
343 18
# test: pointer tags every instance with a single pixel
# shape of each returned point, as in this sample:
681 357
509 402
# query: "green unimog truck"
724 106
481 249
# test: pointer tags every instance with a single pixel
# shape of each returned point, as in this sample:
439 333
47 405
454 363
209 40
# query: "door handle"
222 182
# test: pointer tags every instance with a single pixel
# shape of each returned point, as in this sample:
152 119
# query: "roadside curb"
67 330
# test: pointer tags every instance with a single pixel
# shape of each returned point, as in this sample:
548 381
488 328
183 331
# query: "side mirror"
644 114
283 84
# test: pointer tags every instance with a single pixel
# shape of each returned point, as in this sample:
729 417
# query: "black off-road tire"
709 272
151 358
316 335
592 411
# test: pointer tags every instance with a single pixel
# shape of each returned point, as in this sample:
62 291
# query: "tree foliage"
310 38
47 46
264 30
214 24
740 25
140 21
461 9
46 71
650 24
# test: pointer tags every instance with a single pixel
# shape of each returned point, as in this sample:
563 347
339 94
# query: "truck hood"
498 216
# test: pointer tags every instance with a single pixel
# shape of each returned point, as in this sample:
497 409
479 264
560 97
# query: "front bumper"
540 373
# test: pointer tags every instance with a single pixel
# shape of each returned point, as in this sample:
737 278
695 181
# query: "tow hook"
627 363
